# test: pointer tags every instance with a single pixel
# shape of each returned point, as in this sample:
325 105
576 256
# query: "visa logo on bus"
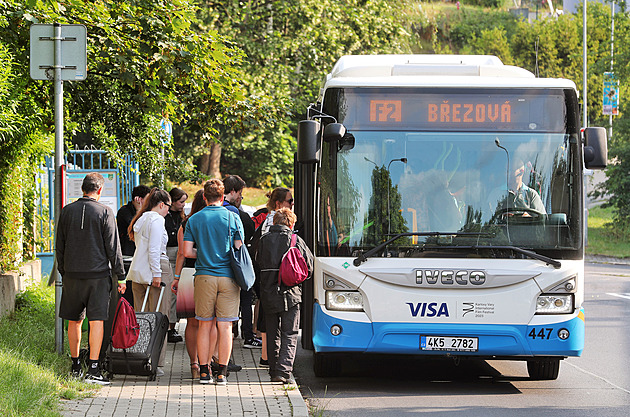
428 309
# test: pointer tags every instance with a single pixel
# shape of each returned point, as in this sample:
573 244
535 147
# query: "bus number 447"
540 333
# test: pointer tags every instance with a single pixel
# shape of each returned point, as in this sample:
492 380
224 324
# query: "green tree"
289 46
20 149
490 42
142 63
617 185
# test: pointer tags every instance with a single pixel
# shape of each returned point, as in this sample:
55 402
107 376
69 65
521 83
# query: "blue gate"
78 162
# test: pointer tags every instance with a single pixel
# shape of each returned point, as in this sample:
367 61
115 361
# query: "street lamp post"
389 215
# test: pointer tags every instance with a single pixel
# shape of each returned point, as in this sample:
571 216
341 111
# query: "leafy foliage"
142 64
288 47
20 149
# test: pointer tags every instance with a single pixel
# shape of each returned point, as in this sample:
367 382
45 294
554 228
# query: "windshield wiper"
363 257
530 254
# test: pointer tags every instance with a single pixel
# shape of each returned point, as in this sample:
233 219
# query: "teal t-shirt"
210 229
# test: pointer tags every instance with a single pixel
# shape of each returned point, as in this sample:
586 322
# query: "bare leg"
74 337
95 338
263 354
206 340
224 341
192 328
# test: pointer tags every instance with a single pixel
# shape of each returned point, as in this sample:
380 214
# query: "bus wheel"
543 369
326 365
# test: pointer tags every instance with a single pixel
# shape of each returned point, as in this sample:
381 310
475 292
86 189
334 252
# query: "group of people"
163 243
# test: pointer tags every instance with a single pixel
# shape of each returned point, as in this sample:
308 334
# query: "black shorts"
85 296
261 325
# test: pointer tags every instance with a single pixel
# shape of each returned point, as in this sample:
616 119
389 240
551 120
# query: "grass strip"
603 239
33 377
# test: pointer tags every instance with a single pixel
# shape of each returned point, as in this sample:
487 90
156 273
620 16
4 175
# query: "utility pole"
584 67
612 53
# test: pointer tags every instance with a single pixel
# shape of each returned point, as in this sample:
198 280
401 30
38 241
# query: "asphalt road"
596 384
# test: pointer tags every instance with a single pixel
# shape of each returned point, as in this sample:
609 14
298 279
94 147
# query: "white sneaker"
159 372
96 379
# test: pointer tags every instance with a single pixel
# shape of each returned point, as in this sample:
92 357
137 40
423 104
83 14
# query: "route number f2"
543 334
385 111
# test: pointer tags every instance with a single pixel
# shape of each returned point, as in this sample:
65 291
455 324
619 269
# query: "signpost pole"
58 99
612 53
74 56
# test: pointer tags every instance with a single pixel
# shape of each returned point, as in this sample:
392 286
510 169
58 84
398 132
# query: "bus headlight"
344 300
554 304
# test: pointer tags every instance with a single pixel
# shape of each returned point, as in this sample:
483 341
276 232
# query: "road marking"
624 295
598 377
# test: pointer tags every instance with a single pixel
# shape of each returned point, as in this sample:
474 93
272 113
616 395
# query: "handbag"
241 262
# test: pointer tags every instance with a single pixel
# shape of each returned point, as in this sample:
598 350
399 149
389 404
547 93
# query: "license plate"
451 344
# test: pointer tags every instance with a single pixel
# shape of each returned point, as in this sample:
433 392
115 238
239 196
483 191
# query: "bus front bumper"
493 339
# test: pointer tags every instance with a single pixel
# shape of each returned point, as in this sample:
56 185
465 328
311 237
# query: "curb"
601 259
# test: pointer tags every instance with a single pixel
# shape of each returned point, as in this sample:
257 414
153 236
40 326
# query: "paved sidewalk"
248 393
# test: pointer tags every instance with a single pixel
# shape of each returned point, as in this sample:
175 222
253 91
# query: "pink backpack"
125 329
293 267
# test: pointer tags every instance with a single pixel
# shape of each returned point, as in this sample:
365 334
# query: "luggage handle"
146 297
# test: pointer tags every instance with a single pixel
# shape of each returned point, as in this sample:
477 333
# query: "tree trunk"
204 163
215 160
210 163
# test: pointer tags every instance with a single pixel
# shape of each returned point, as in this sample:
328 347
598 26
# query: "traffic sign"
73 52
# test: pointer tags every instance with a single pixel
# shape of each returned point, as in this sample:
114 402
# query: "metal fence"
88 160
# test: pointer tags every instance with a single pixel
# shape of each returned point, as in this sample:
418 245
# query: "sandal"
194 370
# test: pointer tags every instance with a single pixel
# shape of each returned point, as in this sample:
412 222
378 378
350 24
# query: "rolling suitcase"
142 358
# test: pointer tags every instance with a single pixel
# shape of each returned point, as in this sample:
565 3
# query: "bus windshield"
513 188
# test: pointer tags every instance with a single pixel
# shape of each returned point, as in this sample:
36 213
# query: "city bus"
443 199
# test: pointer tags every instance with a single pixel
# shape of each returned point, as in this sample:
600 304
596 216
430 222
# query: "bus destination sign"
520 111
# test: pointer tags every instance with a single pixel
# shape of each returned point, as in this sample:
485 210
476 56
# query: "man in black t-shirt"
234 186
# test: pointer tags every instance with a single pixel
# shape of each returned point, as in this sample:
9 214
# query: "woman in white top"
150 266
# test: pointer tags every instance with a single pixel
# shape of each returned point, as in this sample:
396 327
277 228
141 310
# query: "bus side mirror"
595 148
333 132
336 132
308 141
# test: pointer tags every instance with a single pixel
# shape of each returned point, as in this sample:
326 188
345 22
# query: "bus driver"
519 194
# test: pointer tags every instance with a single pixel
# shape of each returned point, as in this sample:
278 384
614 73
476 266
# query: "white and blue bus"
443 198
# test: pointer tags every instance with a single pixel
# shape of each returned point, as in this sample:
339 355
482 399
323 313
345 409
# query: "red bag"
293 267
125 329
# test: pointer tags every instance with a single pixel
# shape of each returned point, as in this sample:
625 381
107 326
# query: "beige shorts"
216 297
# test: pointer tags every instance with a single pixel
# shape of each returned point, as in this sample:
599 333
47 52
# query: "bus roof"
434 71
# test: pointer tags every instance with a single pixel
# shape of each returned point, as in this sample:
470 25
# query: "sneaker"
252 344
159 371
77 373
174 337
96 379
221 380
290 380
264 363
278 378
232 367
205 378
